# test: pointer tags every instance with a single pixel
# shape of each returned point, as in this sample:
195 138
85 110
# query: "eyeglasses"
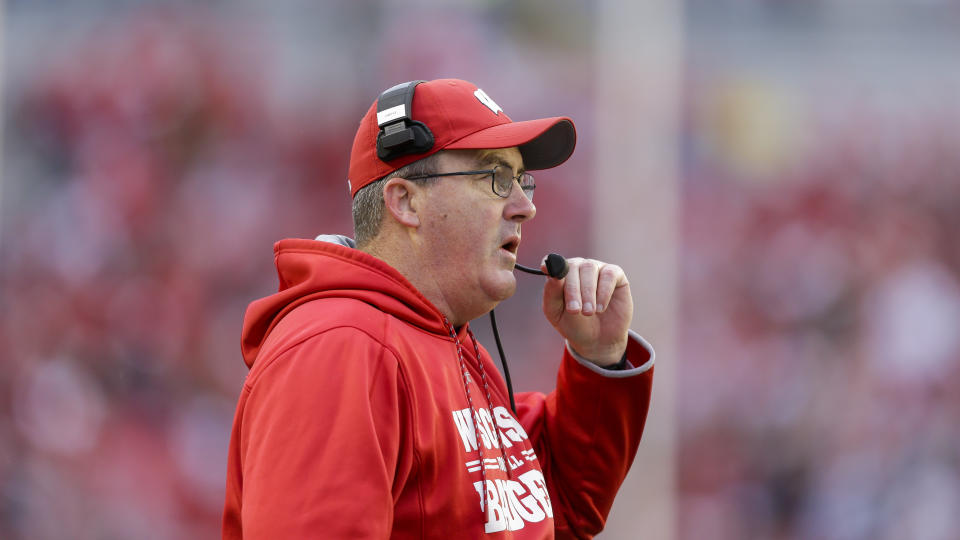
501 180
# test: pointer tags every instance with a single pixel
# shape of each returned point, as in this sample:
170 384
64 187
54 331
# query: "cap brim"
543 143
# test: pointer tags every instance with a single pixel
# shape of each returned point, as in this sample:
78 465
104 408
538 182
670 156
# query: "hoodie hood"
314 269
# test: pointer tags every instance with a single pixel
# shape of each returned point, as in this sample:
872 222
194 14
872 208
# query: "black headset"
400 135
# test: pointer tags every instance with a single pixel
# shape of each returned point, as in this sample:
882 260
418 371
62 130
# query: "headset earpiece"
400 135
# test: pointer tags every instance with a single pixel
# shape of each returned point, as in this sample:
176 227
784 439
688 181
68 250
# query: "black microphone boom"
556 267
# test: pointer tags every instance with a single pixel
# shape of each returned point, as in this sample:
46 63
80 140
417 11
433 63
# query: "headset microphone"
556 269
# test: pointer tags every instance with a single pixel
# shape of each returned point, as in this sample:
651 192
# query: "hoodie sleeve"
321 445
586 434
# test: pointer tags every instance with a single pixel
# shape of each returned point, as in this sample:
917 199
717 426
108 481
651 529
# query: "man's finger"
610 277
588 286
571 287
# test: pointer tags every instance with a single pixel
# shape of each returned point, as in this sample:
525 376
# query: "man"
370 410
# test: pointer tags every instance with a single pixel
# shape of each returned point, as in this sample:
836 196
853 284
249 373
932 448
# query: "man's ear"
398 194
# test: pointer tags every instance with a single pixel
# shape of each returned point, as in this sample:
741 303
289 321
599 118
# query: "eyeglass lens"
503 182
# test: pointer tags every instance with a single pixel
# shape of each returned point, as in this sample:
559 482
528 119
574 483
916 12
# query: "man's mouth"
511 245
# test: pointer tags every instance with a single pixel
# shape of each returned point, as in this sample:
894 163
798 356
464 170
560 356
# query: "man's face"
469 235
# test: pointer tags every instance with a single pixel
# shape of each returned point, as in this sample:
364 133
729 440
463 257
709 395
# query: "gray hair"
368 203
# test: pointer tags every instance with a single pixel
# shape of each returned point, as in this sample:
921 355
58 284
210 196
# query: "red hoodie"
355 419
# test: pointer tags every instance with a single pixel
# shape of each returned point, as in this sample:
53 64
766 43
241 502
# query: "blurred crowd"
820 326
151 160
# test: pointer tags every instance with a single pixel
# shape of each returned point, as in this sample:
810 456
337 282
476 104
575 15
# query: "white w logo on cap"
485 99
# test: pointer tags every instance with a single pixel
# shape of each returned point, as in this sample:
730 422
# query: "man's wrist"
621 365
640 358
606 361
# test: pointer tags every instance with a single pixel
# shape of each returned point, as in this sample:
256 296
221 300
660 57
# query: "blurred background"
781 178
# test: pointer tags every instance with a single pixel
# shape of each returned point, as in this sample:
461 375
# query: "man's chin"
504 287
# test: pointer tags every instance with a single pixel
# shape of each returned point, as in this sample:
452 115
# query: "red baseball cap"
462 116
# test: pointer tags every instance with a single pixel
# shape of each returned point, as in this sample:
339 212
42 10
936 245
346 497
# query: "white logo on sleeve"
485 99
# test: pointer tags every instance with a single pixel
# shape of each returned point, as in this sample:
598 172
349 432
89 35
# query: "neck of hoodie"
309 270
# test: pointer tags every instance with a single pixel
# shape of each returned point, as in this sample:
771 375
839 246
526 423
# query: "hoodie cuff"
639 351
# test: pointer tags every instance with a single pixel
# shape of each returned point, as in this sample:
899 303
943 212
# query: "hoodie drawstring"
486 388
476 426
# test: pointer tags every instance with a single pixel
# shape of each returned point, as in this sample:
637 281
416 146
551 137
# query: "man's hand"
592 308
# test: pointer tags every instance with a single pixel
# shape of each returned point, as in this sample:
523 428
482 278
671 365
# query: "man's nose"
519 206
